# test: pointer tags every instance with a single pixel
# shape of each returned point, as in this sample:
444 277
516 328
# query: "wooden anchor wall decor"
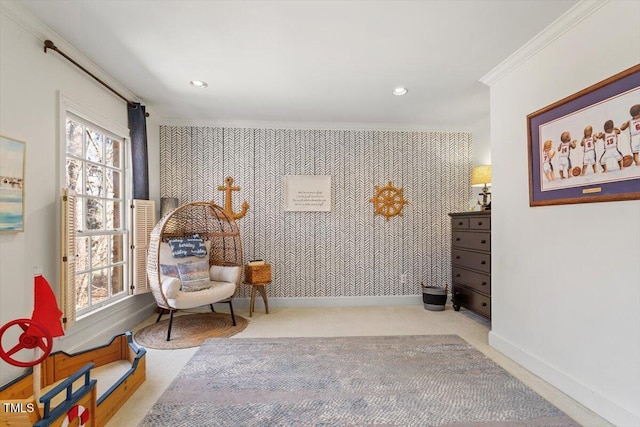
228 199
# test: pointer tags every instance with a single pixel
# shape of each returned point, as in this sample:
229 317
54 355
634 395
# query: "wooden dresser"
471 261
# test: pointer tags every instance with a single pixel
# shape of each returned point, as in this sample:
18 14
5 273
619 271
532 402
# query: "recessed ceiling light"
399 91
198 83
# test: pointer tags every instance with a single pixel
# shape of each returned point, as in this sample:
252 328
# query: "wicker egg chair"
221 236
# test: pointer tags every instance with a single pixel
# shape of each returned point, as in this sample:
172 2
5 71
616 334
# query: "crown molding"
247 124
38 29
554 31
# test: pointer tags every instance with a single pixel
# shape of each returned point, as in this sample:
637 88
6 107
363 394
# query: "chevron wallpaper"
346 252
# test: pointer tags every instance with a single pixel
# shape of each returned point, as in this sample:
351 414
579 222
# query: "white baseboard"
593 400
332 301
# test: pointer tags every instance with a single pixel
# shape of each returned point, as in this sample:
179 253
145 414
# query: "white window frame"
69 107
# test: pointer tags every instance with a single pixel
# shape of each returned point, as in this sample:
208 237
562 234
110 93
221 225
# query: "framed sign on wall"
307 193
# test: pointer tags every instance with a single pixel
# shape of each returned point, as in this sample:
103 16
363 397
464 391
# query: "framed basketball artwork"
586 148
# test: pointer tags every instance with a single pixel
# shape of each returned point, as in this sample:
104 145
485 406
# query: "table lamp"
481 177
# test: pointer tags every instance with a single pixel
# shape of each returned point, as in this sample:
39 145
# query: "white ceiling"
303 61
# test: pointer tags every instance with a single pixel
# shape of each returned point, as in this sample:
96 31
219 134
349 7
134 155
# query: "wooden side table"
258 287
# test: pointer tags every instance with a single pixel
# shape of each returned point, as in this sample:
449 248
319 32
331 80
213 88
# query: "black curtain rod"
48 44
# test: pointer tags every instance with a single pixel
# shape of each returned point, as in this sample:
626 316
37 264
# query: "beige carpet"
189 330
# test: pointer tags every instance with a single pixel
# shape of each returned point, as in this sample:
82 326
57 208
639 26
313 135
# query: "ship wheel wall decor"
388 201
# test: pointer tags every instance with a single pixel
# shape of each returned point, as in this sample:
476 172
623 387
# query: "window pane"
82 291
112 147
109 211
117 280
94 180
94 146
113 215
99 251
74 138
80 214
74 175
113 184
95 220
117 249
94 161
82 252
99 286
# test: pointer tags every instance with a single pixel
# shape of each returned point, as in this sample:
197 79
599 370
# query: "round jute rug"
189 330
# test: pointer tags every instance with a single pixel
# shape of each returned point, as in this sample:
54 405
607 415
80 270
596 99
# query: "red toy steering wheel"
26 341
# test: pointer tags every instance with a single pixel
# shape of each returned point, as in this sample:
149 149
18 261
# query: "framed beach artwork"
12 163
586 147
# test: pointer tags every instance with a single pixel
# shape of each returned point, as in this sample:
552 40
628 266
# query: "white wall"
566 279
481 141
481 154
30 83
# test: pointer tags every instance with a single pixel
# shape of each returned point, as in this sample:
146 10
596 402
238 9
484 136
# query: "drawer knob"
460 223
483 242
484 304
457 256
479 222
483 262
484 283
457 239
458 275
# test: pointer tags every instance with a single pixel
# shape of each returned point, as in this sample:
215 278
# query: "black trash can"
434 297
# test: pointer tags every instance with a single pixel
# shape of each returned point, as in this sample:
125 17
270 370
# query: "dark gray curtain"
139 155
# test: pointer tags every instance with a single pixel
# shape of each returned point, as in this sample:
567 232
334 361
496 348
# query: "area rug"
189 330
436 380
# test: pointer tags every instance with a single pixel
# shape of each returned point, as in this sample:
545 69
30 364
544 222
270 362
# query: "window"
95 171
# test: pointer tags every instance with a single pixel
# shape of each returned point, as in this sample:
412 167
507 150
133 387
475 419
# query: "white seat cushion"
225 273
170 286
218 291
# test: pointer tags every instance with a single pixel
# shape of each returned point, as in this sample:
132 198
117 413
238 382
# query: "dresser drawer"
480 223
478 281
460 223
472 300
476 260
480 240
